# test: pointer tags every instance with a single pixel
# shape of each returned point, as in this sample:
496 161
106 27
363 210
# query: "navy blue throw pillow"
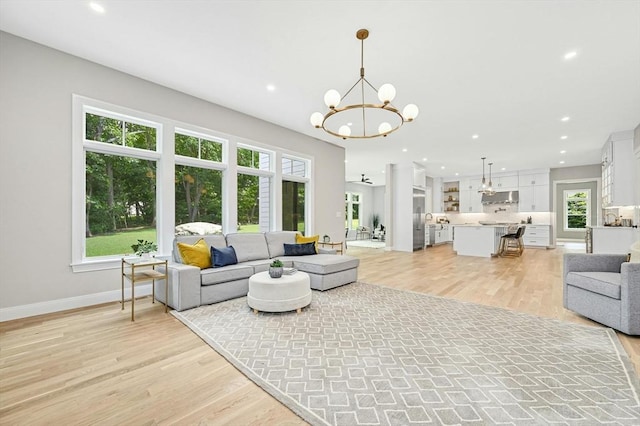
223 256
299 249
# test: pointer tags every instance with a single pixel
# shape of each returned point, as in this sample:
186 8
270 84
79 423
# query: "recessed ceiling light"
457 174
475 136
503 169
563 151
96 7
563 137
567 118
570 55
349 124
562 162
404 149
442 167
383 171
271 87
424 159
346 161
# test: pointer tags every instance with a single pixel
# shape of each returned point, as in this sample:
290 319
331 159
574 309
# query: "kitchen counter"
478 240
613 239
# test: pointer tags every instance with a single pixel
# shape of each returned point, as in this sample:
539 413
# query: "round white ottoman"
287 293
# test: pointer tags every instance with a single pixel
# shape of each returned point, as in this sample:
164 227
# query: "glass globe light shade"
386 93
316 119
344 131
410 112
332 98
384 128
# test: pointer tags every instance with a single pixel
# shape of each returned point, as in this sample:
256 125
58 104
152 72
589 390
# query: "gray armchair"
604 288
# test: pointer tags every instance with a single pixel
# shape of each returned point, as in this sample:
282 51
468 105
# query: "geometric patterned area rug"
364 354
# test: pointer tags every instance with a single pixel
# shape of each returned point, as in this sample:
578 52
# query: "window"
119 182
130 184
198 183
577 215
352 210
293 206
254 203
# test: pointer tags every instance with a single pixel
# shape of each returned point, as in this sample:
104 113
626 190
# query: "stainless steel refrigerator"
418 218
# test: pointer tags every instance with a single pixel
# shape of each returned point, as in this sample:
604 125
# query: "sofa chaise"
190 286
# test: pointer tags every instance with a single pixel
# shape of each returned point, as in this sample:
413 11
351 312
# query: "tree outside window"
577 209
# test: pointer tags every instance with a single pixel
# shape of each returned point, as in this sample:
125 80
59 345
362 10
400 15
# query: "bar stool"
512 244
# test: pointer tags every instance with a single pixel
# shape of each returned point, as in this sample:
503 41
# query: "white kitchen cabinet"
441 236
533 190
617 170
536 235
613 239
470 201
505 182
437 196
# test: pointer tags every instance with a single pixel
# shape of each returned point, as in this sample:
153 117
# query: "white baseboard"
33 309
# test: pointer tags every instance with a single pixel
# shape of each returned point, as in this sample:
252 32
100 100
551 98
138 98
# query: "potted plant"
376 220
144 248
276 268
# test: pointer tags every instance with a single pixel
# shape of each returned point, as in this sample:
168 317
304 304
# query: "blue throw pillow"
299 249
223 256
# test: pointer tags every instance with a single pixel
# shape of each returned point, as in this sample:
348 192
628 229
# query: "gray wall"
36 86
595 210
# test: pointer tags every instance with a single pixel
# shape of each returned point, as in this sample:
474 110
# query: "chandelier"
358 120
484 188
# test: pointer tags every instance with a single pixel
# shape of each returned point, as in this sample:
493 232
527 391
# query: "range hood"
504 197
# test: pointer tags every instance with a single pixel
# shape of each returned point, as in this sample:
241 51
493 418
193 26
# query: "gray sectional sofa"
190 287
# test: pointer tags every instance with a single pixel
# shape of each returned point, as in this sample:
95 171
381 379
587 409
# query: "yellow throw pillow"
197 254
300 239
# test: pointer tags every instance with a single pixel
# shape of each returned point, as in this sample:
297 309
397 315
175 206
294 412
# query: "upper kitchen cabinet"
617 170
470 199
505 182
533 188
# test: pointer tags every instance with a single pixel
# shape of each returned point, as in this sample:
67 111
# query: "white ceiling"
492 68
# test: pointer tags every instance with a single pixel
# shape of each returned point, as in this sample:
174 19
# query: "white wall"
36 86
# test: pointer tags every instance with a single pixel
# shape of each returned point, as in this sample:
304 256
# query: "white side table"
287 293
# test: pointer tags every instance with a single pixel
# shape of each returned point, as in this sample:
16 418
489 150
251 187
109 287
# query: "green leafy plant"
144 246
376 220
276 264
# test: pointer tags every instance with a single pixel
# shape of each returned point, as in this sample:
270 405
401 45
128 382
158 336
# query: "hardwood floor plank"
94 366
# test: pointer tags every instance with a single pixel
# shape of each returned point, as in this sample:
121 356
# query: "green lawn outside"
119 242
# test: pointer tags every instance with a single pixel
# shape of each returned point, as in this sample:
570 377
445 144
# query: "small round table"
287 293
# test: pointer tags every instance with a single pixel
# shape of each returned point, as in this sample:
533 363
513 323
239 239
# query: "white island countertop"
478 240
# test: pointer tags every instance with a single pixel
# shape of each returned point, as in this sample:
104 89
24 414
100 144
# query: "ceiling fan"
362 180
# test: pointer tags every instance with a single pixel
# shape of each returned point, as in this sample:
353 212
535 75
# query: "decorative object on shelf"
326 238
276 269
144 248
357 112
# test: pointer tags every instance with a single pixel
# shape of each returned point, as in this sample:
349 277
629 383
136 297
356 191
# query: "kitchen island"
478 240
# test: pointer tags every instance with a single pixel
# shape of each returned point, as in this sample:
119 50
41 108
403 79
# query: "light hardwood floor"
93 366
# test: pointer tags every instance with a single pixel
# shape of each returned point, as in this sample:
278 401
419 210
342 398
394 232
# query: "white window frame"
349 201
80 107
308 188
565 210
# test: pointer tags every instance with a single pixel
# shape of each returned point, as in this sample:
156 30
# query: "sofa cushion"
195 254
226 273
277 239
223 256
605 283
213 240
300 249
249 246
301 239
323 264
